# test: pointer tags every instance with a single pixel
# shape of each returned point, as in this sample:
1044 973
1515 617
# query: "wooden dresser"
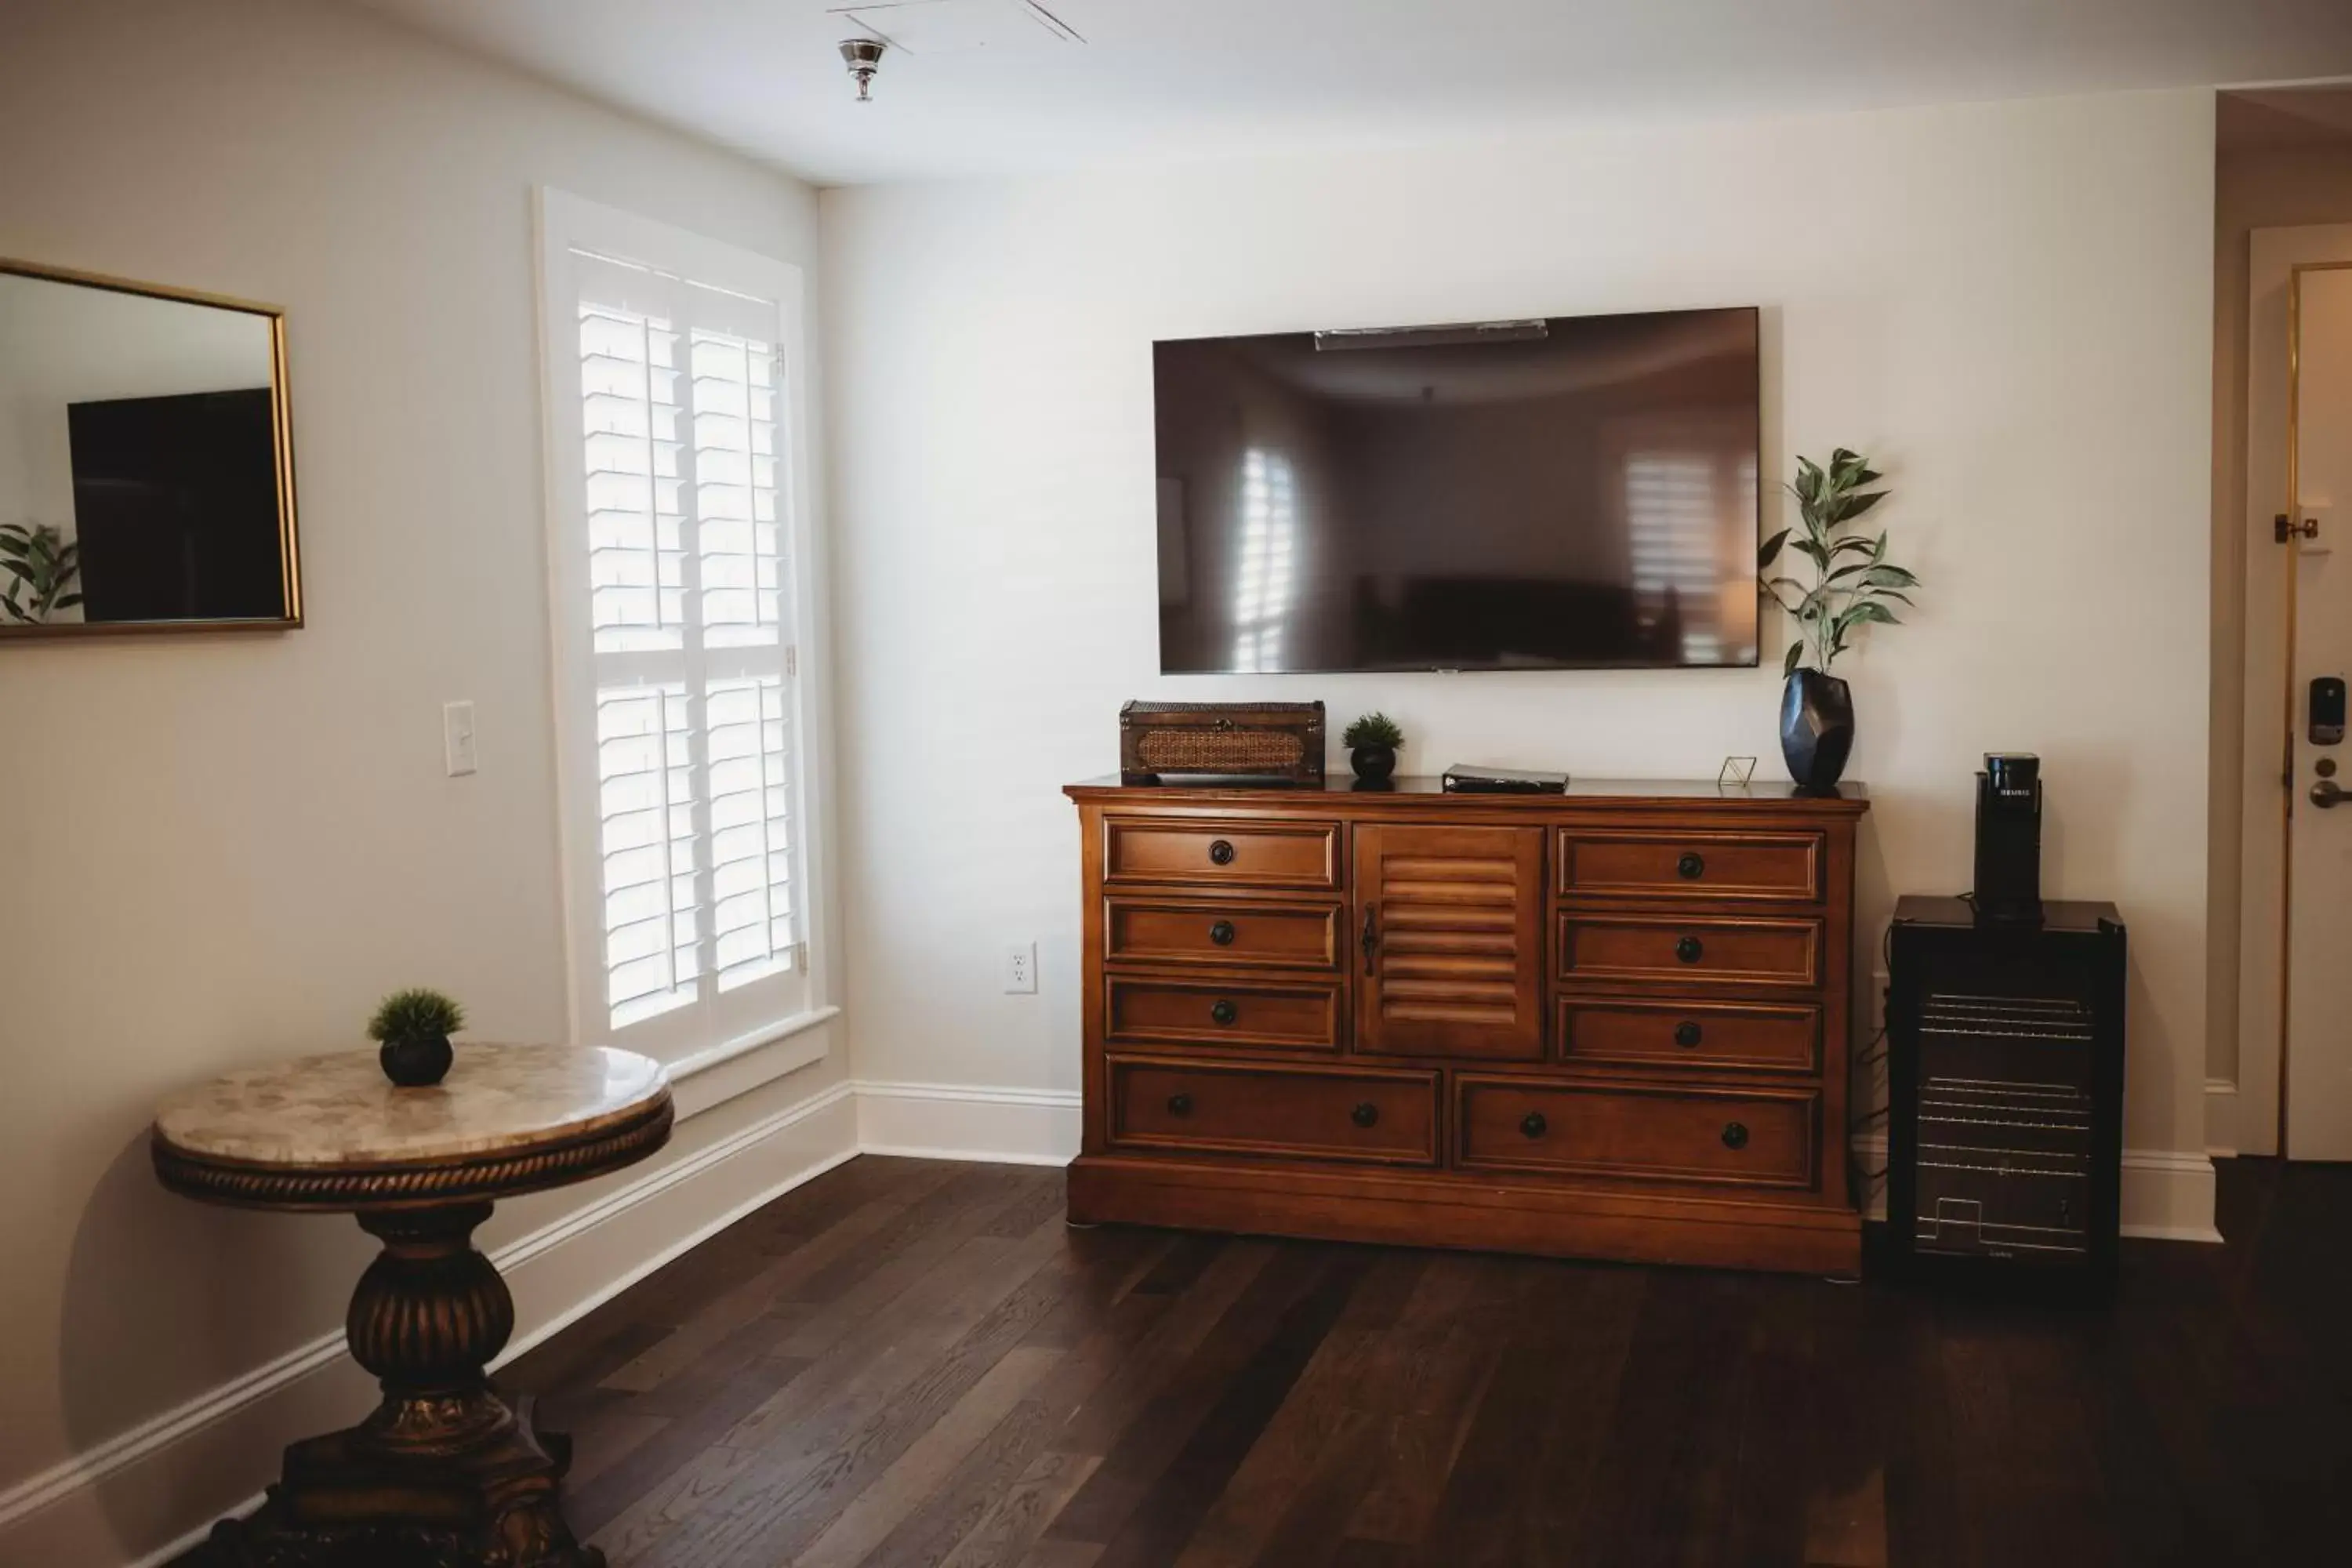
1612 1024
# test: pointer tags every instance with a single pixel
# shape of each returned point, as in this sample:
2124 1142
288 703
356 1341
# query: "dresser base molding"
1489 1216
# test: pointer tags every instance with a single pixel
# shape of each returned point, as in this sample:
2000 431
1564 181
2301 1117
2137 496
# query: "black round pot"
1373 764
416 1062
1816 728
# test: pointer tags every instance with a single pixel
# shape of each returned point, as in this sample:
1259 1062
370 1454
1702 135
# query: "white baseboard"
2168 1195
194 1459
958 1121
2221 1133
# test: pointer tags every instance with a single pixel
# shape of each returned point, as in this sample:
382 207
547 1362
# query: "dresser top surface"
1420 790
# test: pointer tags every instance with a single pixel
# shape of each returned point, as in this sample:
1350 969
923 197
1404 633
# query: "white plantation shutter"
674 546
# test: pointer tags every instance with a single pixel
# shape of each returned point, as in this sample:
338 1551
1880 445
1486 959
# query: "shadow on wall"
165 1300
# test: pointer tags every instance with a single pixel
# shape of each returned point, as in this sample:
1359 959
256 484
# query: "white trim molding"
962 1121
2167 1194
2222 1118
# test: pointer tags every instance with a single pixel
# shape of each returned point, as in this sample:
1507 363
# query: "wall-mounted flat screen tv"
1572 492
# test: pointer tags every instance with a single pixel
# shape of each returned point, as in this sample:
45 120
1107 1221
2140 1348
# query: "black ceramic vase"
1816 728
416 1062
1373 764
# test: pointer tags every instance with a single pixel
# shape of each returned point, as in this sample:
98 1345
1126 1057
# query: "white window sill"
698 1081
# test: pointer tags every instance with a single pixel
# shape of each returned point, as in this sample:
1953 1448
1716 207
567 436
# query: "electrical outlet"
457 738
1021 968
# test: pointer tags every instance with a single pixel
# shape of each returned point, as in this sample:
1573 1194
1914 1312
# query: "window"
677 537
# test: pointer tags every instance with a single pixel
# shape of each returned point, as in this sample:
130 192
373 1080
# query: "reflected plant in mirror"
41 564
146 463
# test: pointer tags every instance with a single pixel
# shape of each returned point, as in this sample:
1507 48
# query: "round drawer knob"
1687 1034
1734 1135
1691 867
1222 933
1180 1105
1533 1124
1222 1011
1221 851
1690 950
1365 1113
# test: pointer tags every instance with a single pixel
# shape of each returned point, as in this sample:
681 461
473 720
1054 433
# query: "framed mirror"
146 459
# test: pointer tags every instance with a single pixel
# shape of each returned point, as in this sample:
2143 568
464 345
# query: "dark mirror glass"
146 475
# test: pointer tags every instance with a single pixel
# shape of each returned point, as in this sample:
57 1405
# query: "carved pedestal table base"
444 1473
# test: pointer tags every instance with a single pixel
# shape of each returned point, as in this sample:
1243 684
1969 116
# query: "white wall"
227 847
2007 306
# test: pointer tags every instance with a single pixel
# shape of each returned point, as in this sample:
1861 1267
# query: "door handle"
2326 793
1371 932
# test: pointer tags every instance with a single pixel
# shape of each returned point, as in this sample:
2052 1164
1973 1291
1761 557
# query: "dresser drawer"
1234 933
1690 1034
1209 853
1693 866
1761 1138
1222 1014
1691 950
1379 1117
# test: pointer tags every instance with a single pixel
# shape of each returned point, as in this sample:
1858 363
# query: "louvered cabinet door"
1450 924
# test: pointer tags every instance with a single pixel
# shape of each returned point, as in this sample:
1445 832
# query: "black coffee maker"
2009 840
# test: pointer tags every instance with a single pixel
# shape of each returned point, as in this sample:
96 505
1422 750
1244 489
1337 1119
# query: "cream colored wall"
216 851
2268 188
2005 304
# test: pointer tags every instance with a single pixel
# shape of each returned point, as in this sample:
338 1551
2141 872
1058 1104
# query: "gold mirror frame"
289 561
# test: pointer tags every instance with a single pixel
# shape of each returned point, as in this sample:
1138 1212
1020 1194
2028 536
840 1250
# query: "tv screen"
176 504
1576 492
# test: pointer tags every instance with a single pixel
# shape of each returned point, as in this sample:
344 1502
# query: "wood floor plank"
911 1364
902 1488
745 1480
758 1295
1156 1425
1188 1485
1004 1532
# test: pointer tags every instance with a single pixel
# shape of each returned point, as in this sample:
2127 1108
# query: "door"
1450 935
2319 801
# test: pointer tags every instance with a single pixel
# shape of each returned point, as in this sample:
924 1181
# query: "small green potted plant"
414 1027
1372 741
1853 583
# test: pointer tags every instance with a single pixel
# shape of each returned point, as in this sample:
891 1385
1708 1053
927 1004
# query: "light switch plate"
457 738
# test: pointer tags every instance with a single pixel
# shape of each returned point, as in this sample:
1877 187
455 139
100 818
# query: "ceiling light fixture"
863 57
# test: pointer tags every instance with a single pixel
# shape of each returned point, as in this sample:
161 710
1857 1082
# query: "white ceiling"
980 88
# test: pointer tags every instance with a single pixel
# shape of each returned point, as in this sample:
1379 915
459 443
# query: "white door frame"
2278 256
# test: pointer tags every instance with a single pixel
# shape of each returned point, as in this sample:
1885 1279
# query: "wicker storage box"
1261 743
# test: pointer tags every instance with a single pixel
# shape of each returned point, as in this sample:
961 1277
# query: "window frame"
719 1026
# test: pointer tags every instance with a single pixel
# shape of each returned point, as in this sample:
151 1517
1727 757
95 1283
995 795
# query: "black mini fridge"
2005 1070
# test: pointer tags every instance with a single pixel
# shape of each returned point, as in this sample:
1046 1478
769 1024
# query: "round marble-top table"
445 1472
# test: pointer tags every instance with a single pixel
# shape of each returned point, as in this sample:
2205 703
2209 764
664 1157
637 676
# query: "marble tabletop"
341 1111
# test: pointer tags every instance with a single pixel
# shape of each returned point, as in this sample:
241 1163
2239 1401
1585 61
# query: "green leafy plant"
415 1015
1372 730
41 564
1853 580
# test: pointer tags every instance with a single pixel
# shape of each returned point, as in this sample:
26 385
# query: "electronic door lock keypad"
2327 719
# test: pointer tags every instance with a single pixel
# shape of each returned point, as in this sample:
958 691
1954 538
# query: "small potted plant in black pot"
1372 741
1853 583
415 1027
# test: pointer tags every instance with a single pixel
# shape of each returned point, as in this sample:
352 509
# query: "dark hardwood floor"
908 1362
